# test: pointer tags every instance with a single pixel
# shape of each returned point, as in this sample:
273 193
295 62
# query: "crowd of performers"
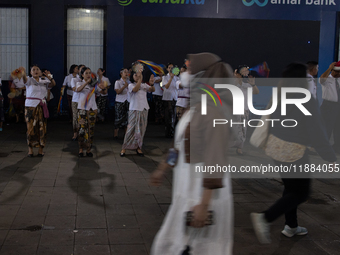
87 95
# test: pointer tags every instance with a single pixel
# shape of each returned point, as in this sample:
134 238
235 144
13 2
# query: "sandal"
30 155
140 153
89 154
81 154
41 155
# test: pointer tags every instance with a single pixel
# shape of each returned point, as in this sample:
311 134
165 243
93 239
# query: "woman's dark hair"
184 66
121 70
34 65
80 66
43 70
169 64
101 69
238 70
146 75
131 77
83 71
294 71
72 69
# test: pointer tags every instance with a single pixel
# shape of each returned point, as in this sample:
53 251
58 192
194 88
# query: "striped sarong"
136 128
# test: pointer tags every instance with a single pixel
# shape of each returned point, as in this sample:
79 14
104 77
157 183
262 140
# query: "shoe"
30 155
122 154
89 154
40 155
75 139
261 227
140 154
299 231
239 153
81 154
115 137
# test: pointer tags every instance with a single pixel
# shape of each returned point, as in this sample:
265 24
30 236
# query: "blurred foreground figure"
287 147
200 218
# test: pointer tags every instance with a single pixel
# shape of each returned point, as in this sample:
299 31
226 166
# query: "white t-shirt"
170 93
75 97
158 90
108 86
91 104
122 97
329 88
67 82
138 100
183 95
36 89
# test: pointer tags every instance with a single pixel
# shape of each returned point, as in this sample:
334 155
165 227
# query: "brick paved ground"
104 205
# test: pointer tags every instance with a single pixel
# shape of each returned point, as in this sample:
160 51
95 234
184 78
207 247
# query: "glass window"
85 37
13 40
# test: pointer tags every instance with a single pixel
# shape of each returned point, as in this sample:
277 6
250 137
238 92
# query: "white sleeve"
130 87
177 84
73 82
117 85
65 81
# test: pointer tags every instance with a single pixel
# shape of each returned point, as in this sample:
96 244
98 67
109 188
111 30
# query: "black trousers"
169 117
295 192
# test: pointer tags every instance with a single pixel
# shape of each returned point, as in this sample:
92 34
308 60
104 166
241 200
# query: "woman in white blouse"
138 112
67 83
122 103
87 111
102 94
75 99
36 112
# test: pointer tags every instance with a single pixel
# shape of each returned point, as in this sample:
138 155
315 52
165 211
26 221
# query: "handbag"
284 151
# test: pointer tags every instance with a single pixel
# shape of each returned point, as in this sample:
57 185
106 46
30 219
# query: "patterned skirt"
121 114
75 116
36 126
101 104
86 123
138 120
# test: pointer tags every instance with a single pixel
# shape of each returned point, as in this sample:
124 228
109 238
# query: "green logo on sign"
124 2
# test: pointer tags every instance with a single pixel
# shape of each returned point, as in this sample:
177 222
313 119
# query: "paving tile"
62 209
122 221
60 221
128 249
22 237
55 250
125 236
18 250
57 237
23 221
91 237
91 221
92 249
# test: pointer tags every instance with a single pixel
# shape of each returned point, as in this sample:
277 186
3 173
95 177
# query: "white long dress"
173 235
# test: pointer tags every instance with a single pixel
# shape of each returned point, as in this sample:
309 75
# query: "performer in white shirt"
87 111
67 84
243 81
75 99
169 99
330 107
312 71
20 92
102 94
36 111
121 103
183 97
157 99
138 112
